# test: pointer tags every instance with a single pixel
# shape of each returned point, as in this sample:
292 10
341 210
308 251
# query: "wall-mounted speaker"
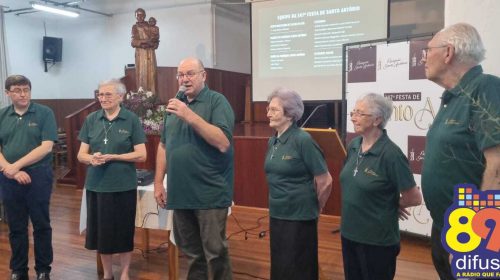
52 49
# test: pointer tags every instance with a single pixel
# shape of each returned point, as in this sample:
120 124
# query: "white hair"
466 41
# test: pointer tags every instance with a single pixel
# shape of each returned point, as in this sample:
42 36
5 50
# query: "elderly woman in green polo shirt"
376 183
299 186
112 141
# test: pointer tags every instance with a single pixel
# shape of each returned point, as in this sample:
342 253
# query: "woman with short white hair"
376 183
112 141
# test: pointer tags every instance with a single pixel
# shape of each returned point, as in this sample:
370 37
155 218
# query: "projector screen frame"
340 88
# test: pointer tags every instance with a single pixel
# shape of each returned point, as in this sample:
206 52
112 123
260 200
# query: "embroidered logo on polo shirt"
32 124
123 131
451 122
285 157
370 172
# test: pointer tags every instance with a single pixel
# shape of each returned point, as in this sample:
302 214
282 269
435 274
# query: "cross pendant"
355 171
106 142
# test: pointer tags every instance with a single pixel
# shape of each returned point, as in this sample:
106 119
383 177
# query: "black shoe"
43 276
19 276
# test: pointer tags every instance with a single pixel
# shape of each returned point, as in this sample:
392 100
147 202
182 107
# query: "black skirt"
111 221
294 249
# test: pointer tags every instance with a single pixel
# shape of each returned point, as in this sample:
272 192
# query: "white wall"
232 38
99 49
483 15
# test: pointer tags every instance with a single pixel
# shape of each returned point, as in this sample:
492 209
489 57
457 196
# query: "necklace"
275 147
106 130
359 160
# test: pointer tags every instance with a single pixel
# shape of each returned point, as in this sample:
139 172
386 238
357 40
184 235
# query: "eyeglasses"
107 95
21 90
359 114
426 49
188 75
272 110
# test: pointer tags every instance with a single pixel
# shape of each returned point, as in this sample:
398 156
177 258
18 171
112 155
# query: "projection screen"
298 43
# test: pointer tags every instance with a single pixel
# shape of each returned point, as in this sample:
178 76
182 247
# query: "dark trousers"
368 262
294 249
440 257
201 235
29 202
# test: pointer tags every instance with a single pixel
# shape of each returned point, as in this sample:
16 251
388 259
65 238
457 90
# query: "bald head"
193 61
191 74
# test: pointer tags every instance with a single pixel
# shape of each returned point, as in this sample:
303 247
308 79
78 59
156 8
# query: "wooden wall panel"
151 148
336 113
64 107
72 124
259 112
230 84
250 186
166 83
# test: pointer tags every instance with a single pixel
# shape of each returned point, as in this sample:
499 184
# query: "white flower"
149 94
149 113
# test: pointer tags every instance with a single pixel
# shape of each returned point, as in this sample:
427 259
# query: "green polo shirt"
123 133
466 124
370 200
292 161
19 135
199 175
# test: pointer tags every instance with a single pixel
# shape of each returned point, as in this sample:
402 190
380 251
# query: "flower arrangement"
145 105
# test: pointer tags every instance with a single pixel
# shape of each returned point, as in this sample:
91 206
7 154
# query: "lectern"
335 153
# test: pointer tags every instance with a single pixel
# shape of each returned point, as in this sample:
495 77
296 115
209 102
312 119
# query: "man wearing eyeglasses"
27 134
463 143
197 144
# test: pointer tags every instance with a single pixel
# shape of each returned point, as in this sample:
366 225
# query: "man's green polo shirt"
466 125
199 175
123 133
370 200
19 135
292 161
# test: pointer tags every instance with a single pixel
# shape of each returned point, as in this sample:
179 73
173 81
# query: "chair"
60 151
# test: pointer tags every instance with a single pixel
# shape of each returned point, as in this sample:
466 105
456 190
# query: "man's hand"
160 195
10 171
22 178
178 108
403 213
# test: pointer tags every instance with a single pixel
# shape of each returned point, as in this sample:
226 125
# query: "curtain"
4 100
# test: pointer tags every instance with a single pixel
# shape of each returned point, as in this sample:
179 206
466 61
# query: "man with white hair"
463 143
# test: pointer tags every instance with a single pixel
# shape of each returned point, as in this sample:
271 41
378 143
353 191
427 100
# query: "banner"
397 71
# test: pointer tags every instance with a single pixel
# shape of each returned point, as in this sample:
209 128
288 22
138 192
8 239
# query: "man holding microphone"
196 151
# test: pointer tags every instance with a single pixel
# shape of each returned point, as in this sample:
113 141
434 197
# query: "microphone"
180 95
312 113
